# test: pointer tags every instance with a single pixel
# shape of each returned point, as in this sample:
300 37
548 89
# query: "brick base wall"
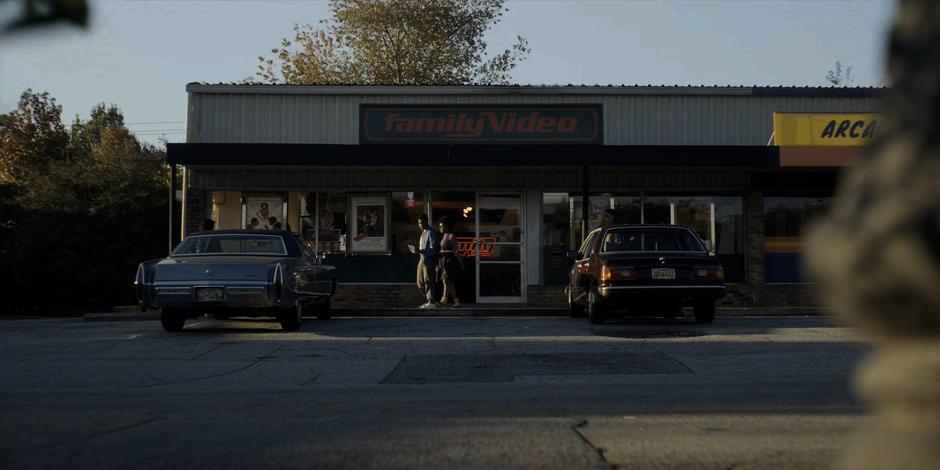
377 296
552 296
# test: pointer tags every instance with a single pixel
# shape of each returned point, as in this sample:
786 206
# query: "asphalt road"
483 392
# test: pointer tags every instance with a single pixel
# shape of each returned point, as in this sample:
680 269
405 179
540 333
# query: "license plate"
664 273
213 294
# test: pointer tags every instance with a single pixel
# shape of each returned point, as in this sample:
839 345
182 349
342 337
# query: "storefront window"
785 222
656 210
605 208
718 221
405 207
323 222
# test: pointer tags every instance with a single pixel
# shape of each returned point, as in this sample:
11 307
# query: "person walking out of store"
428 248
450 263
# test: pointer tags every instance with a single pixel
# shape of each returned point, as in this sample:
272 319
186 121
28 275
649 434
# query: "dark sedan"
230 273
641 269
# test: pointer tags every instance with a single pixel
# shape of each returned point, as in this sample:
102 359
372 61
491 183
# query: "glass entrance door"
500 266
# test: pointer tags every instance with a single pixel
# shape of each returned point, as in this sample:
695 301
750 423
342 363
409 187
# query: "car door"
581 269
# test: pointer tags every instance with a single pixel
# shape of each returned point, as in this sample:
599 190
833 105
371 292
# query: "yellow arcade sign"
825 129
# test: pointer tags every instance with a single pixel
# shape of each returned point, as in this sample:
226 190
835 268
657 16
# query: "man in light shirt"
429 247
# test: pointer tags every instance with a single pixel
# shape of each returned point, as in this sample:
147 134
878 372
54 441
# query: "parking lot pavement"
418 392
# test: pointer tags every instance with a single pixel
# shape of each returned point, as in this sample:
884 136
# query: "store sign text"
480 124
825 129
465 246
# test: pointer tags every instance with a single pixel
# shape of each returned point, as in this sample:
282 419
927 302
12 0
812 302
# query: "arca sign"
483 124
825 129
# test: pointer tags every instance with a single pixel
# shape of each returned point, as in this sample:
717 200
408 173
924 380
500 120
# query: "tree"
837 76
32 137
396 42
79 207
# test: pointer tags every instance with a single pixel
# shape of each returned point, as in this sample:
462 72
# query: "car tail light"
708 274
623 274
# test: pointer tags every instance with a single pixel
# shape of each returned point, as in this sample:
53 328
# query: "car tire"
291 318
574 310
325 309
596 308
172 320
704 312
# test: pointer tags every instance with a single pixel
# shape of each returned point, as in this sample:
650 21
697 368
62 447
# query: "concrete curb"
122 316
151 315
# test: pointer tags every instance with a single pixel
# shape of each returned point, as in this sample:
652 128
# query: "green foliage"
32 137
78 209
396 42
839 76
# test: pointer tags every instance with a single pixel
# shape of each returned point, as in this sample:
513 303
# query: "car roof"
665 226
242 232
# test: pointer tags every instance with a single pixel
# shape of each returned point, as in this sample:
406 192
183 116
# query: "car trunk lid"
214 268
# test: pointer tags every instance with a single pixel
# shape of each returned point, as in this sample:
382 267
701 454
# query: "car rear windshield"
231 245
650 239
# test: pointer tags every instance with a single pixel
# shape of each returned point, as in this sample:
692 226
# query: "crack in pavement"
82 438
221 374
600 450
209 351
307 382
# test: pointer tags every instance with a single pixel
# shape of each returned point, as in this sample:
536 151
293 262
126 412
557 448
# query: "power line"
152 122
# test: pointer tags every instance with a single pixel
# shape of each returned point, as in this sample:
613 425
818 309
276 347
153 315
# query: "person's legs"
450 289
432 283
449 292
426 284
421 280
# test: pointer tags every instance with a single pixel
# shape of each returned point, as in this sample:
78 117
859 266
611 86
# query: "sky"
139 55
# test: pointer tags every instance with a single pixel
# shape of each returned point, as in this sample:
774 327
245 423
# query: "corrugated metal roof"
535 89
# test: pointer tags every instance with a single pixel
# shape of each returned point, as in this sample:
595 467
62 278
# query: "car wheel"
291 318
596 308
325 309
704 312
574 310
172 320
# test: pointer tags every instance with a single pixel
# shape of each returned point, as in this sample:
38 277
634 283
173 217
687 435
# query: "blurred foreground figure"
877 256
38 13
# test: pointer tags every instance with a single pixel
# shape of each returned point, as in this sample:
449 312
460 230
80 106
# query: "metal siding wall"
628 119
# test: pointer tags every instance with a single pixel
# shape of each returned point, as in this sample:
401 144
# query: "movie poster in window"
264 212
369 224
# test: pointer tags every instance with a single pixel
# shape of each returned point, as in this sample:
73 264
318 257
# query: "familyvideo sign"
485 124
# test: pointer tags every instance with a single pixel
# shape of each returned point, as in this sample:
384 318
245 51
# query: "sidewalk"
131 313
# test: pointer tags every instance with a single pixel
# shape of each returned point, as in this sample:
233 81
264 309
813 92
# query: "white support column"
184 212
532 233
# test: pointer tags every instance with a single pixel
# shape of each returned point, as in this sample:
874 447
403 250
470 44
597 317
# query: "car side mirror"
572 255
